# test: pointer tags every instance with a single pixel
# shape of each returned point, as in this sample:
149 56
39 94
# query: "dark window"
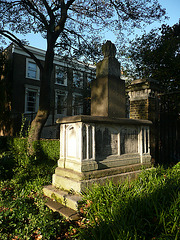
60 76
31 101
60 104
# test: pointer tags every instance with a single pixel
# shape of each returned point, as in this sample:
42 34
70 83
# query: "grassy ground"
144 209
147 208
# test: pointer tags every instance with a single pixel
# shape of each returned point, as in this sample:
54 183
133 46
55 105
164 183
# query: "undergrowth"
23 213
147 208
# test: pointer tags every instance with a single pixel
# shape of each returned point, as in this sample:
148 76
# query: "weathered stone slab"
63 197
100 119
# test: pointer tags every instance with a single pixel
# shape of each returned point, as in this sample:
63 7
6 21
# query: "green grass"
147 208
23 213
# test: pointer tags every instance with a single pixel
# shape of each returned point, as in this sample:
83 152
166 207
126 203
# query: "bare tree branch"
17 41
34 8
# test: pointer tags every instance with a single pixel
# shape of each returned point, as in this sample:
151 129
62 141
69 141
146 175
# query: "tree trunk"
46 89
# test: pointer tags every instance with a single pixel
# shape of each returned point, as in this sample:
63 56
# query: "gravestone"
103 146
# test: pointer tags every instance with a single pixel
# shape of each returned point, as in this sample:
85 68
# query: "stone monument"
103 146
108 90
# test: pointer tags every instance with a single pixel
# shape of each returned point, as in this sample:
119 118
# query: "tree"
71 25
5 89
157 55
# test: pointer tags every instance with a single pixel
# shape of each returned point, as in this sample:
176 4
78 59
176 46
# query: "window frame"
62 69
90 78
36 90
80 108
64 94
29 60
81 74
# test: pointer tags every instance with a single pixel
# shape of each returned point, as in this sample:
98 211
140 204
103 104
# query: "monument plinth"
103 146
108 90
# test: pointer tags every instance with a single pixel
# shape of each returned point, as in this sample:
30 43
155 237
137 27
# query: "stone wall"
139 109
143 96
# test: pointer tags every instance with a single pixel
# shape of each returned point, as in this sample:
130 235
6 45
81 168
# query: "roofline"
40 54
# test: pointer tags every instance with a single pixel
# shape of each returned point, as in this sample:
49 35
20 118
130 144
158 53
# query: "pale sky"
173 12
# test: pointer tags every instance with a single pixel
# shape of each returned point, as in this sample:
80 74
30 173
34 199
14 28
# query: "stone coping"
145 80
100 119
142 84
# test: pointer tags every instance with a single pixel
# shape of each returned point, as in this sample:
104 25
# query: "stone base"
111 161
78 182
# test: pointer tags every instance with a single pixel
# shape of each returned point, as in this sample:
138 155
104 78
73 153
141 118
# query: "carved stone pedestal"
96 149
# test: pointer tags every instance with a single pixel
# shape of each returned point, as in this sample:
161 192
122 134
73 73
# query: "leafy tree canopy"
75 24
157 55
72 26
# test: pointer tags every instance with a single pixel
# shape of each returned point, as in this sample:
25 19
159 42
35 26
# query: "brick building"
71 85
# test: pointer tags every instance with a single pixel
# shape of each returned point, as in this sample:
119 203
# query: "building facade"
71 81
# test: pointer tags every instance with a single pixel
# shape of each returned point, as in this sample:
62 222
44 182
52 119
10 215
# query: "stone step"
66 212
71 201
69 173
67 183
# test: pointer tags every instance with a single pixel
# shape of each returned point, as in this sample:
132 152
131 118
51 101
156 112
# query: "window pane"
60 76
32 66
31 101
60 104
32 69
77 79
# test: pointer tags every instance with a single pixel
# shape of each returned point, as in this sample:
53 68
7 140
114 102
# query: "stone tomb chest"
103 146
91 146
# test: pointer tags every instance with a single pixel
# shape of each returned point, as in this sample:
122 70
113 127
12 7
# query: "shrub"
17 162
3 144
44 148
47 148
23 213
